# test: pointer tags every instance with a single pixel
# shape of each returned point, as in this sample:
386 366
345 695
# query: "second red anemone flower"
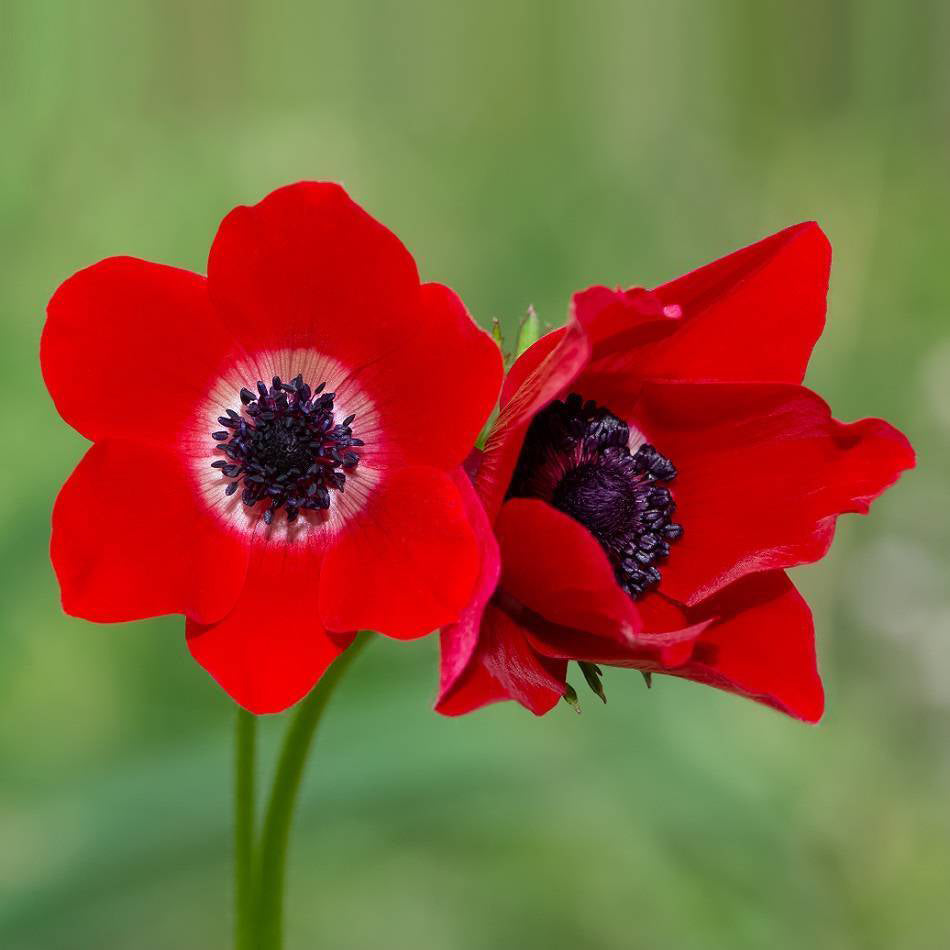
655 468
275 444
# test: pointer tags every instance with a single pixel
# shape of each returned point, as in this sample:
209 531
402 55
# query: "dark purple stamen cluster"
286 449
576 456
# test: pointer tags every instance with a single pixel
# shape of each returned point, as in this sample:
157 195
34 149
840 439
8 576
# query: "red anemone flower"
275 445
655 467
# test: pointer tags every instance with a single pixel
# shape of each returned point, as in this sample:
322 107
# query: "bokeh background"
523 150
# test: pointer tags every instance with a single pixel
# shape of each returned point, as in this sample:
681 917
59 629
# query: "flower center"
286 448
576 456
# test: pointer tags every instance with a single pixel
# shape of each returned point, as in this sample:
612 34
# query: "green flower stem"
275 834
245 742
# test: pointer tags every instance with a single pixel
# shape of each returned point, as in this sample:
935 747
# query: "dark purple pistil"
286 449
576 456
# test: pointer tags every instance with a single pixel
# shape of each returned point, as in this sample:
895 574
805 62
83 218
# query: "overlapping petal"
434 391
752 316
553 565
458 641
544 370
764 472
307 267
131 539
668 645
405 565
762 647
755 314
504 666
129 348
270 649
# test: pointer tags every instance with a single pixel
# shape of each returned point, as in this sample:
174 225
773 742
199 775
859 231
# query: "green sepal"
570 697
593 674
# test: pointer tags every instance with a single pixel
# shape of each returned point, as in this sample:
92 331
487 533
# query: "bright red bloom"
683 401
276 445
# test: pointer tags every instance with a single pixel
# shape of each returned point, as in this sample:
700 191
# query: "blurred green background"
522 150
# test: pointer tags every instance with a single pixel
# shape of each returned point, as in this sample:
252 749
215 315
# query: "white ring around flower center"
349 398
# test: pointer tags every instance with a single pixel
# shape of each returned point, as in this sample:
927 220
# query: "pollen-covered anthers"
286 448
577 456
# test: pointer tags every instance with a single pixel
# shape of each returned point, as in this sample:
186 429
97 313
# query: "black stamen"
287 448
576 456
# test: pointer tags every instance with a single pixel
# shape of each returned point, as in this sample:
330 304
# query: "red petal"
552 565
668 645
619 323
435 392
131 539
540 375
407 563
528 362
763 648
754 315
505 667
129 348
623 329
271 649
764 471
307 267
458 641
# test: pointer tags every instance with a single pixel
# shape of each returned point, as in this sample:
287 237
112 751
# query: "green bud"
528 331
496 333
